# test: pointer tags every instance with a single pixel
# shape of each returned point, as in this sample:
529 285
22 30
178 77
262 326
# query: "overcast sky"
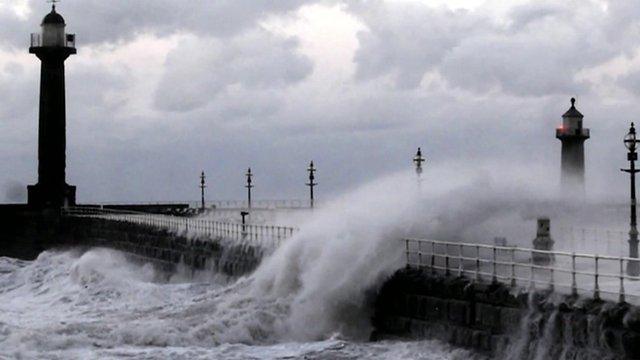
161 90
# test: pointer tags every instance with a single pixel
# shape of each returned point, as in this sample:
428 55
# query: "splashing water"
310 298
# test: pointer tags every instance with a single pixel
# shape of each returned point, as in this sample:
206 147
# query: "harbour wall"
503 323
168 248
28 233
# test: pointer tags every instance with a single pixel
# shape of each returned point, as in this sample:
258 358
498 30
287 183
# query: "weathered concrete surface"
489 319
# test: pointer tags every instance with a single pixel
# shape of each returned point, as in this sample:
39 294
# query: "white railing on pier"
568 272
266 234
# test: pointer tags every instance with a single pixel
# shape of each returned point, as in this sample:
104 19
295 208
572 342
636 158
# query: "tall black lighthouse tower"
52 46
572 135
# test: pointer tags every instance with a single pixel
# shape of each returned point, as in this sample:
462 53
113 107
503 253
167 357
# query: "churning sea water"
310 299
100 304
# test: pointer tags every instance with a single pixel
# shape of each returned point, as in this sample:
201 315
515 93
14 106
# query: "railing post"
621 297
460 262
531 272
433 256
477 263
551 278
446 259
513 267
406 251
419 252
574 285
494 275
596 288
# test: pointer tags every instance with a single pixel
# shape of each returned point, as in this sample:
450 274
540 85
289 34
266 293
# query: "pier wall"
163 246
27 233
489 318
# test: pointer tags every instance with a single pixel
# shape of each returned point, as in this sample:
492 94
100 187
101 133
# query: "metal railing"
228 204
197 226
261 204
36 40
568 272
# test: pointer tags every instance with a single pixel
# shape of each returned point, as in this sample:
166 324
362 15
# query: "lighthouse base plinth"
41 196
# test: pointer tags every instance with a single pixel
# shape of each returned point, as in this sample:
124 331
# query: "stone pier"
490 319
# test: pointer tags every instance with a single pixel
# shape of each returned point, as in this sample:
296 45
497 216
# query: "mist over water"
311 297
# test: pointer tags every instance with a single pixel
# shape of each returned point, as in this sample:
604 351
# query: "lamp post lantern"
202 186
630 141
311 183
418 160
249 176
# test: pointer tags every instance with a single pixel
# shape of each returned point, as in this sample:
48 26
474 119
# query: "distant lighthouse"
572 135
52 46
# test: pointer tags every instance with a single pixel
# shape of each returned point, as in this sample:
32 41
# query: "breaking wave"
313 295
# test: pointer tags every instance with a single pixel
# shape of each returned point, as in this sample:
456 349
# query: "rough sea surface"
100 304
310 299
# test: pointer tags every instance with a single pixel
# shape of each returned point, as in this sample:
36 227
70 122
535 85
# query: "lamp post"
249 186
202 186
311 182
418 160
630 141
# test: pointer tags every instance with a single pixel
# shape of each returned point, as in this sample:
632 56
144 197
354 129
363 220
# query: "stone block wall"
161 245
494 321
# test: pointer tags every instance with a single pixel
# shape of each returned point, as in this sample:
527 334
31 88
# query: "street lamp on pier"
249 186
311 183
202 186
630 141
418 160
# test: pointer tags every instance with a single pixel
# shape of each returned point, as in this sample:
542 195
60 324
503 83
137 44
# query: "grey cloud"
254 59
15 192
89 85
511 65
97 21
630 82
538 53
18 91
530 13
409 39
235 96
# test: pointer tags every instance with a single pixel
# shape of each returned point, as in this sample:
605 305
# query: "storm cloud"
161 90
